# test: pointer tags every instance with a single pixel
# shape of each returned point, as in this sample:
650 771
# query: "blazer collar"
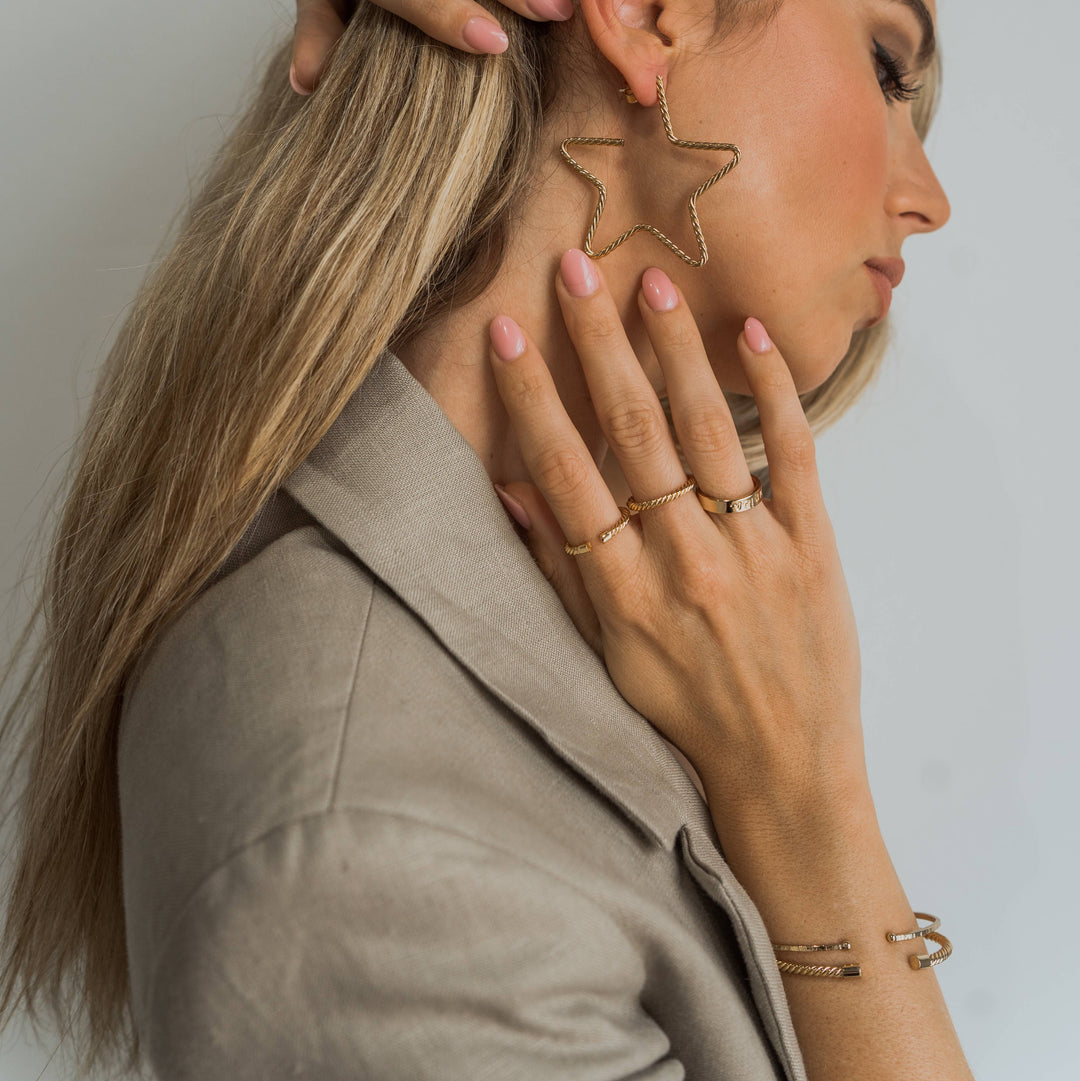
400 486
404 491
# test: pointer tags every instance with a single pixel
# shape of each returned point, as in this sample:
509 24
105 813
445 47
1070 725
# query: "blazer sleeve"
360 944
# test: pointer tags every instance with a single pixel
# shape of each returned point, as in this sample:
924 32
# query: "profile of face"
832 171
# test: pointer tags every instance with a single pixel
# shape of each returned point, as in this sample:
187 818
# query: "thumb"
545 541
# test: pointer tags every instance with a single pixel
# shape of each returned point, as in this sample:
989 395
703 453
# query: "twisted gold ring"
635 506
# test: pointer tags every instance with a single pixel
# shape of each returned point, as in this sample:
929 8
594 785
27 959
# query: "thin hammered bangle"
919 932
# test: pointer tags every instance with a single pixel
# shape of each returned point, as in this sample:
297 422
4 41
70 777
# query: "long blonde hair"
325 230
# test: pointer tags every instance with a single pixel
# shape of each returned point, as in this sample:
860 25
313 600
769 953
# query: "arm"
733 633
360 944
819 867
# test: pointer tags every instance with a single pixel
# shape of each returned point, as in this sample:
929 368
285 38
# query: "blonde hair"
325 230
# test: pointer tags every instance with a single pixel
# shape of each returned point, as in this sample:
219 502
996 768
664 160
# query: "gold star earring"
602 199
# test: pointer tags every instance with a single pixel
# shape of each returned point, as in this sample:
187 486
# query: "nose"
915 195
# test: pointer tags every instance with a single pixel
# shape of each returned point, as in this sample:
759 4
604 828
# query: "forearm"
821 874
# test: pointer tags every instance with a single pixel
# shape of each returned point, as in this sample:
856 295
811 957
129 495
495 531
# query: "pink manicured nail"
507 338
659 293
517 511
559 10
756 337
578 273
484 36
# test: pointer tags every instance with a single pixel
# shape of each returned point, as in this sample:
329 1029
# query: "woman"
323 778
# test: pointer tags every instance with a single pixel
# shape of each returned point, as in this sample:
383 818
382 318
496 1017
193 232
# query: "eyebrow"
929 42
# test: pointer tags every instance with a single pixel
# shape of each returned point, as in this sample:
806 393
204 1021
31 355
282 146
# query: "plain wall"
952 485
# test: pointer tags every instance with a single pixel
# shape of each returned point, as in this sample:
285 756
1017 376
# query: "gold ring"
635 506
586 546
719 505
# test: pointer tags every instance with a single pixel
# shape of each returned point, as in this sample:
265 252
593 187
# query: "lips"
893 269
886 274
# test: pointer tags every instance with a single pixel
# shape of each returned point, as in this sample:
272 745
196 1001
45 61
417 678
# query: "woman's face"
832 174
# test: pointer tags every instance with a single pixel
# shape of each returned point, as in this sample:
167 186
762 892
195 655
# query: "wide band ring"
586 546
718 505
635 506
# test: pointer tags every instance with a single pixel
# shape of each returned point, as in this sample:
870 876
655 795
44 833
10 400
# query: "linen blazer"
385 816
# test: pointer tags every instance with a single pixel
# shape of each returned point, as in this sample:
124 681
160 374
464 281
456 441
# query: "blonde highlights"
325 230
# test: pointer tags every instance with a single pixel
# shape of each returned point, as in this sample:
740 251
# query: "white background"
952 486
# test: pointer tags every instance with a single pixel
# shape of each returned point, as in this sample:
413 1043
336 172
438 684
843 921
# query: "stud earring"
687 144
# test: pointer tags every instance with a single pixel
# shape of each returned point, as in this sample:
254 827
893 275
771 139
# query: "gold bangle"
930 931
837 971
919 932
928 960
845 945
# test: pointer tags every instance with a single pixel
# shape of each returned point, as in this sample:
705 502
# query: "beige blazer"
385 816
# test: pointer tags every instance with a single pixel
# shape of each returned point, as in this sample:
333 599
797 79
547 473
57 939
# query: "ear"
631 36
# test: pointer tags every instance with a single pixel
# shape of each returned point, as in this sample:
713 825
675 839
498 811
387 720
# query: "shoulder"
256 670
231 724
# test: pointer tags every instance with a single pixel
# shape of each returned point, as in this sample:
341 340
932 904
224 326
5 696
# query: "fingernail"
295 84
756 337
659 292
517 511
484 36
560 10
578 273
507 338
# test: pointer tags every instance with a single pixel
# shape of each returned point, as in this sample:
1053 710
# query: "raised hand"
734 634
461 23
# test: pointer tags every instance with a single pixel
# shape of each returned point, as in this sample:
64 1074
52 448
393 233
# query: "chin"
810 370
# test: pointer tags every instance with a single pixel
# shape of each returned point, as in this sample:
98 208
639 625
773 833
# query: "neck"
449 356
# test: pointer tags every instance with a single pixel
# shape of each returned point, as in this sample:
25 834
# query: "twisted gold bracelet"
819 970
838 971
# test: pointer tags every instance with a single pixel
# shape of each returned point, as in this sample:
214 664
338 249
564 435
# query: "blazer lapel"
404 491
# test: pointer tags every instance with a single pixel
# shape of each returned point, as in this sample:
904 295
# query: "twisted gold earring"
602 199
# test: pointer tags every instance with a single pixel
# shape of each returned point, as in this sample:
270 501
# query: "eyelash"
898 88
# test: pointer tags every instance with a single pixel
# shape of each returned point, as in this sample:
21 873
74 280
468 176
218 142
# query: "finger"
707 434
545 540
626 405
797 499
542 10
461 23
554 452
319 24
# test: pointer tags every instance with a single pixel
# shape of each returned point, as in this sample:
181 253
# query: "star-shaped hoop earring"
602 199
